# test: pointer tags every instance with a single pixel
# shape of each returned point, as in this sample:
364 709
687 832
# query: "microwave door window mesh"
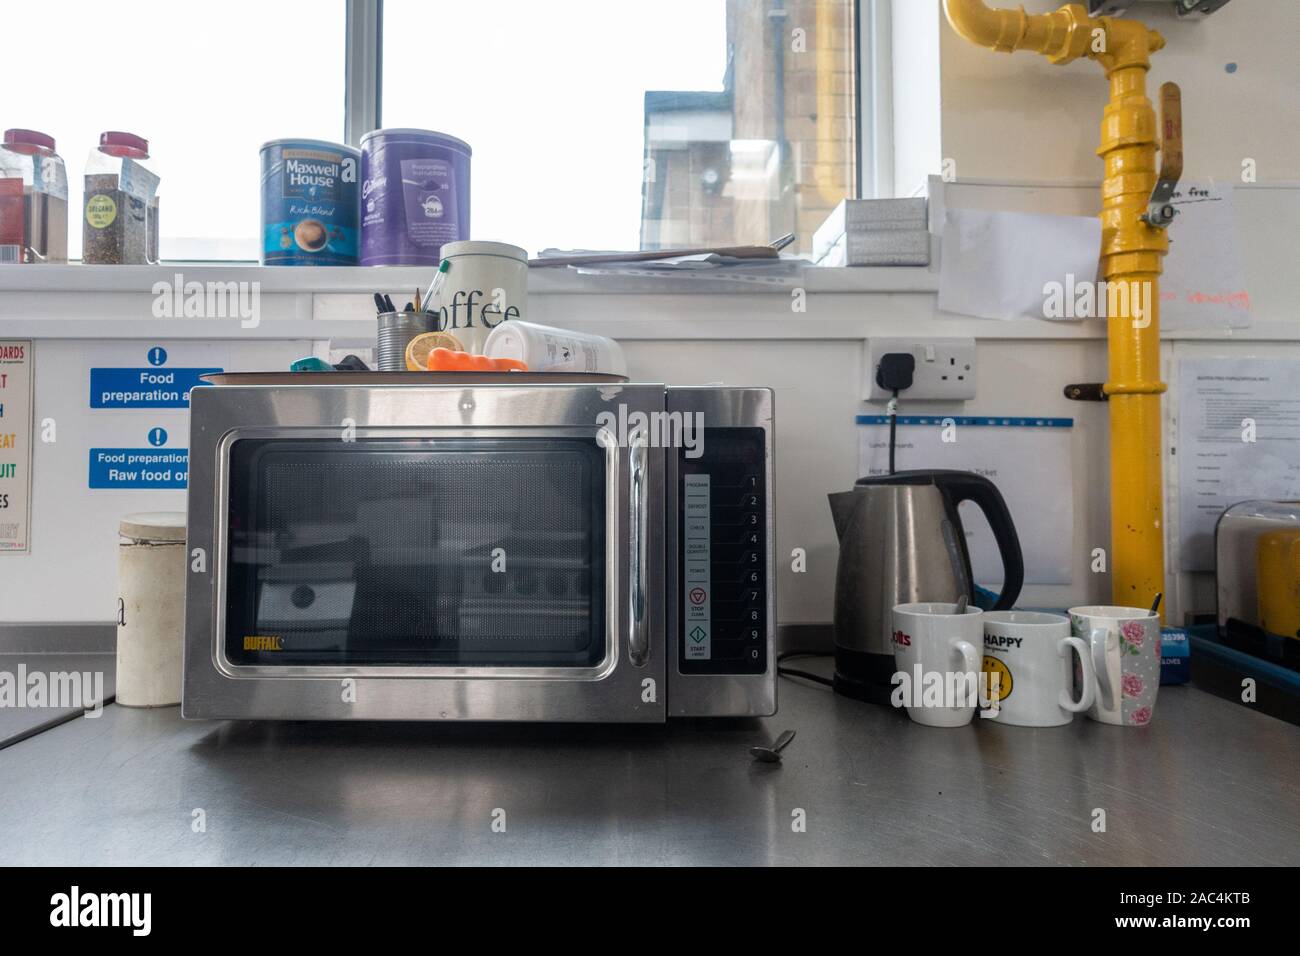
482 553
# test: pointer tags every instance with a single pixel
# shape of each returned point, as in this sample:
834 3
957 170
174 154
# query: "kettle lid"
920 476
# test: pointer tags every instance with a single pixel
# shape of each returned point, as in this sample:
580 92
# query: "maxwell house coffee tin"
309 203
414 196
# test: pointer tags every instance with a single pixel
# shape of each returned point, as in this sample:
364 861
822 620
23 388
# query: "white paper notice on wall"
1028 459
15 446
1238 439
1204 284
1000 265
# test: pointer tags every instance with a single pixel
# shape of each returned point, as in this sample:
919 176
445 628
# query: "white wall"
812 359
1018 117
71 571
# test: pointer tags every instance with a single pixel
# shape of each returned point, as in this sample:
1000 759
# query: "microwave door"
506 572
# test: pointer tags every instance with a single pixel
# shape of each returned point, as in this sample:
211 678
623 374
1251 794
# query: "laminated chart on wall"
1238 439
15 446
1028 459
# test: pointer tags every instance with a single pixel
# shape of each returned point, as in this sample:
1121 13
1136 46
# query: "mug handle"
1089 692
1097 638
973 664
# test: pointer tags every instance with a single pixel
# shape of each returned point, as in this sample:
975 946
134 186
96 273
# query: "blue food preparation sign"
151 387
139 467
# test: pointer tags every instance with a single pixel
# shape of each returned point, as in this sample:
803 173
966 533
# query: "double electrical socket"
945 368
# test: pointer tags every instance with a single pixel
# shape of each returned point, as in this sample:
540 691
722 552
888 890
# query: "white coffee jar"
486 285
545 349
151 613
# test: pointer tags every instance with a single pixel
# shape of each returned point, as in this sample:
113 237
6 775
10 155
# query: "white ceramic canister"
151 610
486 284
545 349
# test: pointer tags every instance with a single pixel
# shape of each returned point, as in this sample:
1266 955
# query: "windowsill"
343 280
77 301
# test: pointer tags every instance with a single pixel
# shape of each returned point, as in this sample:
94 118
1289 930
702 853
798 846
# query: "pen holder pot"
396 329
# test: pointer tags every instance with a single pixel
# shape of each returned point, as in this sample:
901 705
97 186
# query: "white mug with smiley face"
1030 682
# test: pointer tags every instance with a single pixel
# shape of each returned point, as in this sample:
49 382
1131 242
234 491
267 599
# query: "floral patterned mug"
1125 643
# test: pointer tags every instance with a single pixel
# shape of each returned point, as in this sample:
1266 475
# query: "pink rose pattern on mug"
1139 657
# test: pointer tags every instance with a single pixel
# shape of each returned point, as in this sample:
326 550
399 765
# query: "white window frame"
363 89
875 106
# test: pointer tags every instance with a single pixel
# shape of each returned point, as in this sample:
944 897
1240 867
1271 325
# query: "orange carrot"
450 360
447 360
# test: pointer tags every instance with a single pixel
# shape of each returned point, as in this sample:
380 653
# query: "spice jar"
119 223
33 199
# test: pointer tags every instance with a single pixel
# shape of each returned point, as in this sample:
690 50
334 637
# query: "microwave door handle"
638 645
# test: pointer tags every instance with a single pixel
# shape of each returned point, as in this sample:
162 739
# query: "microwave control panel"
722 531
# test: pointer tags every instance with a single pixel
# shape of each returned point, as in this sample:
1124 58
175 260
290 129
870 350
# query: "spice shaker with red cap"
33 199
119 223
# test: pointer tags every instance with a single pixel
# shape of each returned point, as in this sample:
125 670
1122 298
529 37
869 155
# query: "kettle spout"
843 504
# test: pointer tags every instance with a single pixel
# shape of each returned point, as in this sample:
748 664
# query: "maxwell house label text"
312 174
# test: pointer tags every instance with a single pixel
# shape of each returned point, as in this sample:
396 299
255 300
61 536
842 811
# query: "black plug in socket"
894 373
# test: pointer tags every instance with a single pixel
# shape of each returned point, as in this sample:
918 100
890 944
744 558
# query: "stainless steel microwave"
371 546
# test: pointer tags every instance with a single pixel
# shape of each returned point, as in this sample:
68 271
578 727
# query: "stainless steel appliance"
901 541
416 546
1257 576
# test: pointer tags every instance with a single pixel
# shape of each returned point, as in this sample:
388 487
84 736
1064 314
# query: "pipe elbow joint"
973 20
1061 36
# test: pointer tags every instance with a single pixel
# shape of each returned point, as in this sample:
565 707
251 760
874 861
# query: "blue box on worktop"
1175 656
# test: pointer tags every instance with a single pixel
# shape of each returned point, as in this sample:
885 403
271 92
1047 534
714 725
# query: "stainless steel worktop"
1209 782
83 648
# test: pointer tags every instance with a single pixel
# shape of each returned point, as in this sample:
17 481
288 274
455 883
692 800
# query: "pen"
437 282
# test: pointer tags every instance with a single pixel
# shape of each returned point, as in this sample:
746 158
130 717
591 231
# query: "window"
594 124
205 85
600 125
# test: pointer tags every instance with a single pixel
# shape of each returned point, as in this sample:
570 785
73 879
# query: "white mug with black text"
937 662
1027 669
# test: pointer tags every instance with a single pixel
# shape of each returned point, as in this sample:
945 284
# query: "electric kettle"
901 541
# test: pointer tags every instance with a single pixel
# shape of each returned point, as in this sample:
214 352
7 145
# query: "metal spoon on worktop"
772 754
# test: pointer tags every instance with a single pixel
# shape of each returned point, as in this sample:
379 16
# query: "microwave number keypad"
722 576
697 552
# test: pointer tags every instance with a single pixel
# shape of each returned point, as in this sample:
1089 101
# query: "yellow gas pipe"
1131 253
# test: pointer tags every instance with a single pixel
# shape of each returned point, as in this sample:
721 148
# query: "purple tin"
414 196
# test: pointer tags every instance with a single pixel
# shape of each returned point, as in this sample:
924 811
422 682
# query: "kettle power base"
862 676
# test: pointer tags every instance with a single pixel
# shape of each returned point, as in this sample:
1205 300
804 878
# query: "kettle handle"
959 486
